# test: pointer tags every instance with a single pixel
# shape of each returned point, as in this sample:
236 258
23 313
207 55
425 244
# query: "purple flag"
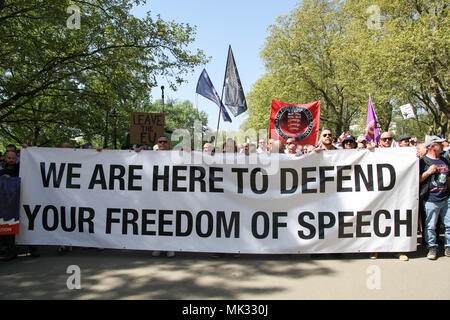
206 89
372 124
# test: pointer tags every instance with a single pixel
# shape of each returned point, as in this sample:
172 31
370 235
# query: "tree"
56 79
259 102
331 50
405 57
301 57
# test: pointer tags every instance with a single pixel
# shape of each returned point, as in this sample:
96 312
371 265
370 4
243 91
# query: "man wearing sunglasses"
349 142
291 147
326 140
385 140
163 143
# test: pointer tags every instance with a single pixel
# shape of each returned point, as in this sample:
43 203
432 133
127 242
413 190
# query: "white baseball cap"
429 140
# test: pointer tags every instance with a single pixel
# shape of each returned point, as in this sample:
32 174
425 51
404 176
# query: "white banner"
407 111
333 201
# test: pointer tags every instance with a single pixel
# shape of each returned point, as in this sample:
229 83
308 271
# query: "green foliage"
58 83
328 51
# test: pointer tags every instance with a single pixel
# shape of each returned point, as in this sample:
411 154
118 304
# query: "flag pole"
218 123
221 98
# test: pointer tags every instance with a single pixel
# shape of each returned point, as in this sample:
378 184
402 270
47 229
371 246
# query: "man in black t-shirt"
434 171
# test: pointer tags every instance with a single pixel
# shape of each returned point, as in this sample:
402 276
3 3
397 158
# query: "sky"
240 23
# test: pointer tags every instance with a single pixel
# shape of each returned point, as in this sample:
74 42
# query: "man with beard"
435 169
326 140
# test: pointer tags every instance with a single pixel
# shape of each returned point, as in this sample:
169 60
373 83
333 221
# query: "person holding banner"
12 170
13 148
65 249
163 145
386 142
262 146
403 141
208 148
269 145
229 146
361 142
421 151
291 147
277 146
249 148
326 141
349 142
2 160
435 170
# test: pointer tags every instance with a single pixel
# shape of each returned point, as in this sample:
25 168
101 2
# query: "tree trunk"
105 134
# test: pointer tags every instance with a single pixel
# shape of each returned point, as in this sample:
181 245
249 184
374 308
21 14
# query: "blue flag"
205 88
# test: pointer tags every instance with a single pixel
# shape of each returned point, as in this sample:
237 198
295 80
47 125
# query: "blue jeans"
432 212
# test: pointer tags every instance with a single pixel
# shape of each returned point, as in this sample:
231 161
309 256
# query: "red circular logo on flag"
294 122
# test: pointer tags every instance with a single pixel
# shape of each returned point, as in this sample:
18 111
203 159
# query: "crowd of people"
433 153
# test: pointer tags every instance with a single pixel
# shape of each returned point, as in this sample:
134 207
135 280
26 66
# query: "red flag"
299 121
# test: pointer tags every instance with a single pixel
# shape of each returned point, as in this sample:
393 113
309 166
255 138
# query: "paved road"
122 274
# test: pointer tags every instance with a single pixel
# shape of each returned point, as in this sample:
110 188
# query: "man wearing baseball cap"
403 141
349 142
434 171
